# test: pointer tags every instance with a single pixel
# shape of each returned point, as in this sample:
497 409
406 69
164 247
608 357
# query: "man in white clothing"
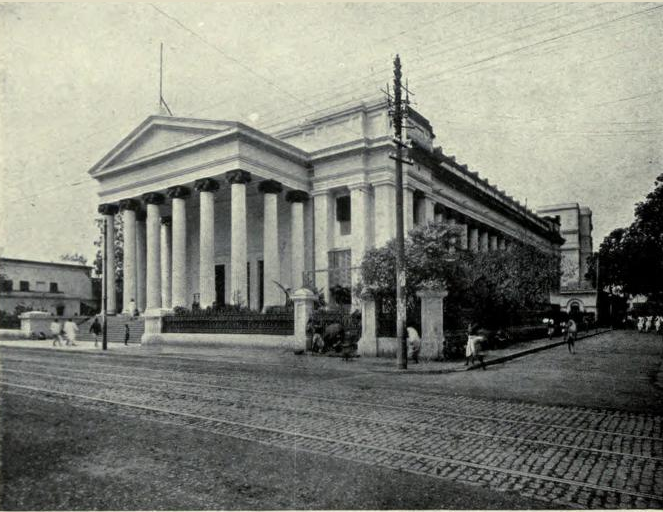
70 330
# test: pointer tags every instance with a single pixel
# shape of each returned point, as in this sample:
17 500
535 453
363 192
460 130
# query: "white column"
166 301
493 242
483 241
270 242
129 207
179 264
429 210
408 210
207 286
474 239
385 213
153 272
141 263
359 225
109 211
324 226
464 237
238 244
296 199
501 243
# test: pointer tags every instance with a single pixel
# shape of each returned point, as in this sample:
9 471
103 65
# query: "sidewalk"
280 357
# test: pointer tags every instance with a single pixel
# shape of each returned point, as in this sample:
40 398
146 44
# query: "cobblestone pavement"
565 455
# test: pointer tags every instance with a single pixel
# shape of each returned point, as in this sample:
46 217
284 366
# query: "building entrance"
220 284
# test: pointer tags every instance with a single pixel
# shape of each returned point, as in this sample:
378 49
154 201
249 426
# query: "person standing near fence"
415 343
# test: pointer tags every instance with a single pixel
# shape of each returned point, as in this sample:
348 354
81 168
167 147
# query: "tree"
631 259
494 287
75 257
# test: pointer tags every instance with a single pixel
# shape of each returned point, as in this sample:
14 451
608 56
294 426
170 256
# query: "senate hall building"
217 212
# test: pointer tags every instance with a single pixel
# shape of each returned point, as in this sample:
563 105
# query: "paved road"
530 426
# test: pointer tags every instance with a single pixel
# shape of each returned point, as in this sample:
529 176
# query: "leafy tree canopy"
631 259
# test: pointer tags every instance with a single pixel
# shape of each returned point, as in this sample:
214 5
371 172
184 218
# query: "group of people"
650 324
569 330
66 332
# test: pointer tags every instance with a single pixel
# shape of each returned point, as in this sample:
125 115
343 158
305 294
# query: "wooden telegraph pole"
397 118
104 332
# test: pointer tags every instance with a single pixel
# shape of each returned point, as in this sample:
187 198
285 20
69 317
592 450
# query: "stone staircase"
115 329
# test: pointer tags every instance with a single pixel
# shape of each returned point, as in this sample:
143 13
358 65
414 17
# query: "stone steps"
115 329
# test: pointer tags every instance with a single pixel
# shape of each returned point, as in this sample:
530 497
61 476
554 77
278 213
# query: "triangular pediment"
158 135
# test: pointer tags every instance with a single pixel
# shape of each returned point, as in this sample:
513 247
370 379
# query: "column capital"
178 192
238 176
153 198
166 220
206 185
129 204
141 215
296 196
108 209
270 187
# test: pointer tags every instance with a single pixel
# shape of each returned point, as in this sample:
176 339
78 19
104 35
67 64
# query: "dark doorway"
220 284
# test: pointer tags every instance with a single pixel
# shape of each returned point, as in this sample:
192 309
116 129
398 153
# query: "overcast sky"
554 103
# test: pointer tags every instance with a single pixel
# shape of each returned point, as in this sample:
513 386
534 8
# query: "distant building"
64 289
576 291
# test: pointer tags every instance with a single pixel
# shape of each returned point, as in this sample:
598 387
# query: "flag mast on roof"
163 106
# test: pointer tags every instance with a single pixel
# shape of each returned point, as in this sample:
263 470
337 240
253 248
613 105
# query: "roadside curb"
528 351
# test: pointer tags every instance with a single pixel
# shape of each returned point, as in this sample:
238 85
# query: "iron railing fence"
209 322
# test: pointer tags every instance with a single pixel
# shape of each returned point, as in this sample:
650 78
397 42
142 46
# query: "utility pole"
397 117
104 332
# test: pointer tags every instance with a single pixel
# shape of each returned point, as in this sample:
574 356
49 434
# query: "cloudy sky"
553 102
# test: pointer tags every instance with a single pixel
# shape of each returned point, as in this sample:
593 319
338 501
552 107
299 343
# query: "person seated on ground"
317 344
347 348
415 343
334 337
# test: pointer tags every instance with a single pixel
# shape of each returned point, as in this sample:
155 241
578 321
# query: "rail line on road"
344 401
308 409
308 442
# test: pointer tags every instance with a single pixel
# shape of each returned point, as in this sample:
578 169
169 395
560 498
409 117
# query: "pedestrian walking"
562 327
571 338
473 347
95 329
56 332
127 334
551 328
415 343
70 331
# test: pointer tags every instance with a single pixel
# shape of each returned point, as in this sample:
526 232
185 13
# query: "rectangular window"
24 286
344 214
53 288
6 285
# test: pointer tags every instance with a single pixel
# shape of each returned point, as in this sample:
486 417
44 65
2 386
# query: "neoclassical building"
218 212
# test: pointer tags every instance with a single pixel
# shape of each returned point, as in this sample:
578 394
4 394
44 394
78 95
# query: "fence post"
153 319
303 300
368 343
432 322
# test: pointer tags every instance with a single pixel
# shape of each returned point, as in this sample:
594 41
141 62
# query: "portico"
218 213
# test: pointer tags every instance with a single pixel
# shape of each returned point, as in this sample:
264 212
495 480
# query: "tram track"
427 426
404 458
344 401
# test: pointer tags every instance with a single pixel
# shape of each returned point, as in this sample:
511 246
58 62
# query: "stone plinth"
153 325
36 321
432 323
368 343
303 300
